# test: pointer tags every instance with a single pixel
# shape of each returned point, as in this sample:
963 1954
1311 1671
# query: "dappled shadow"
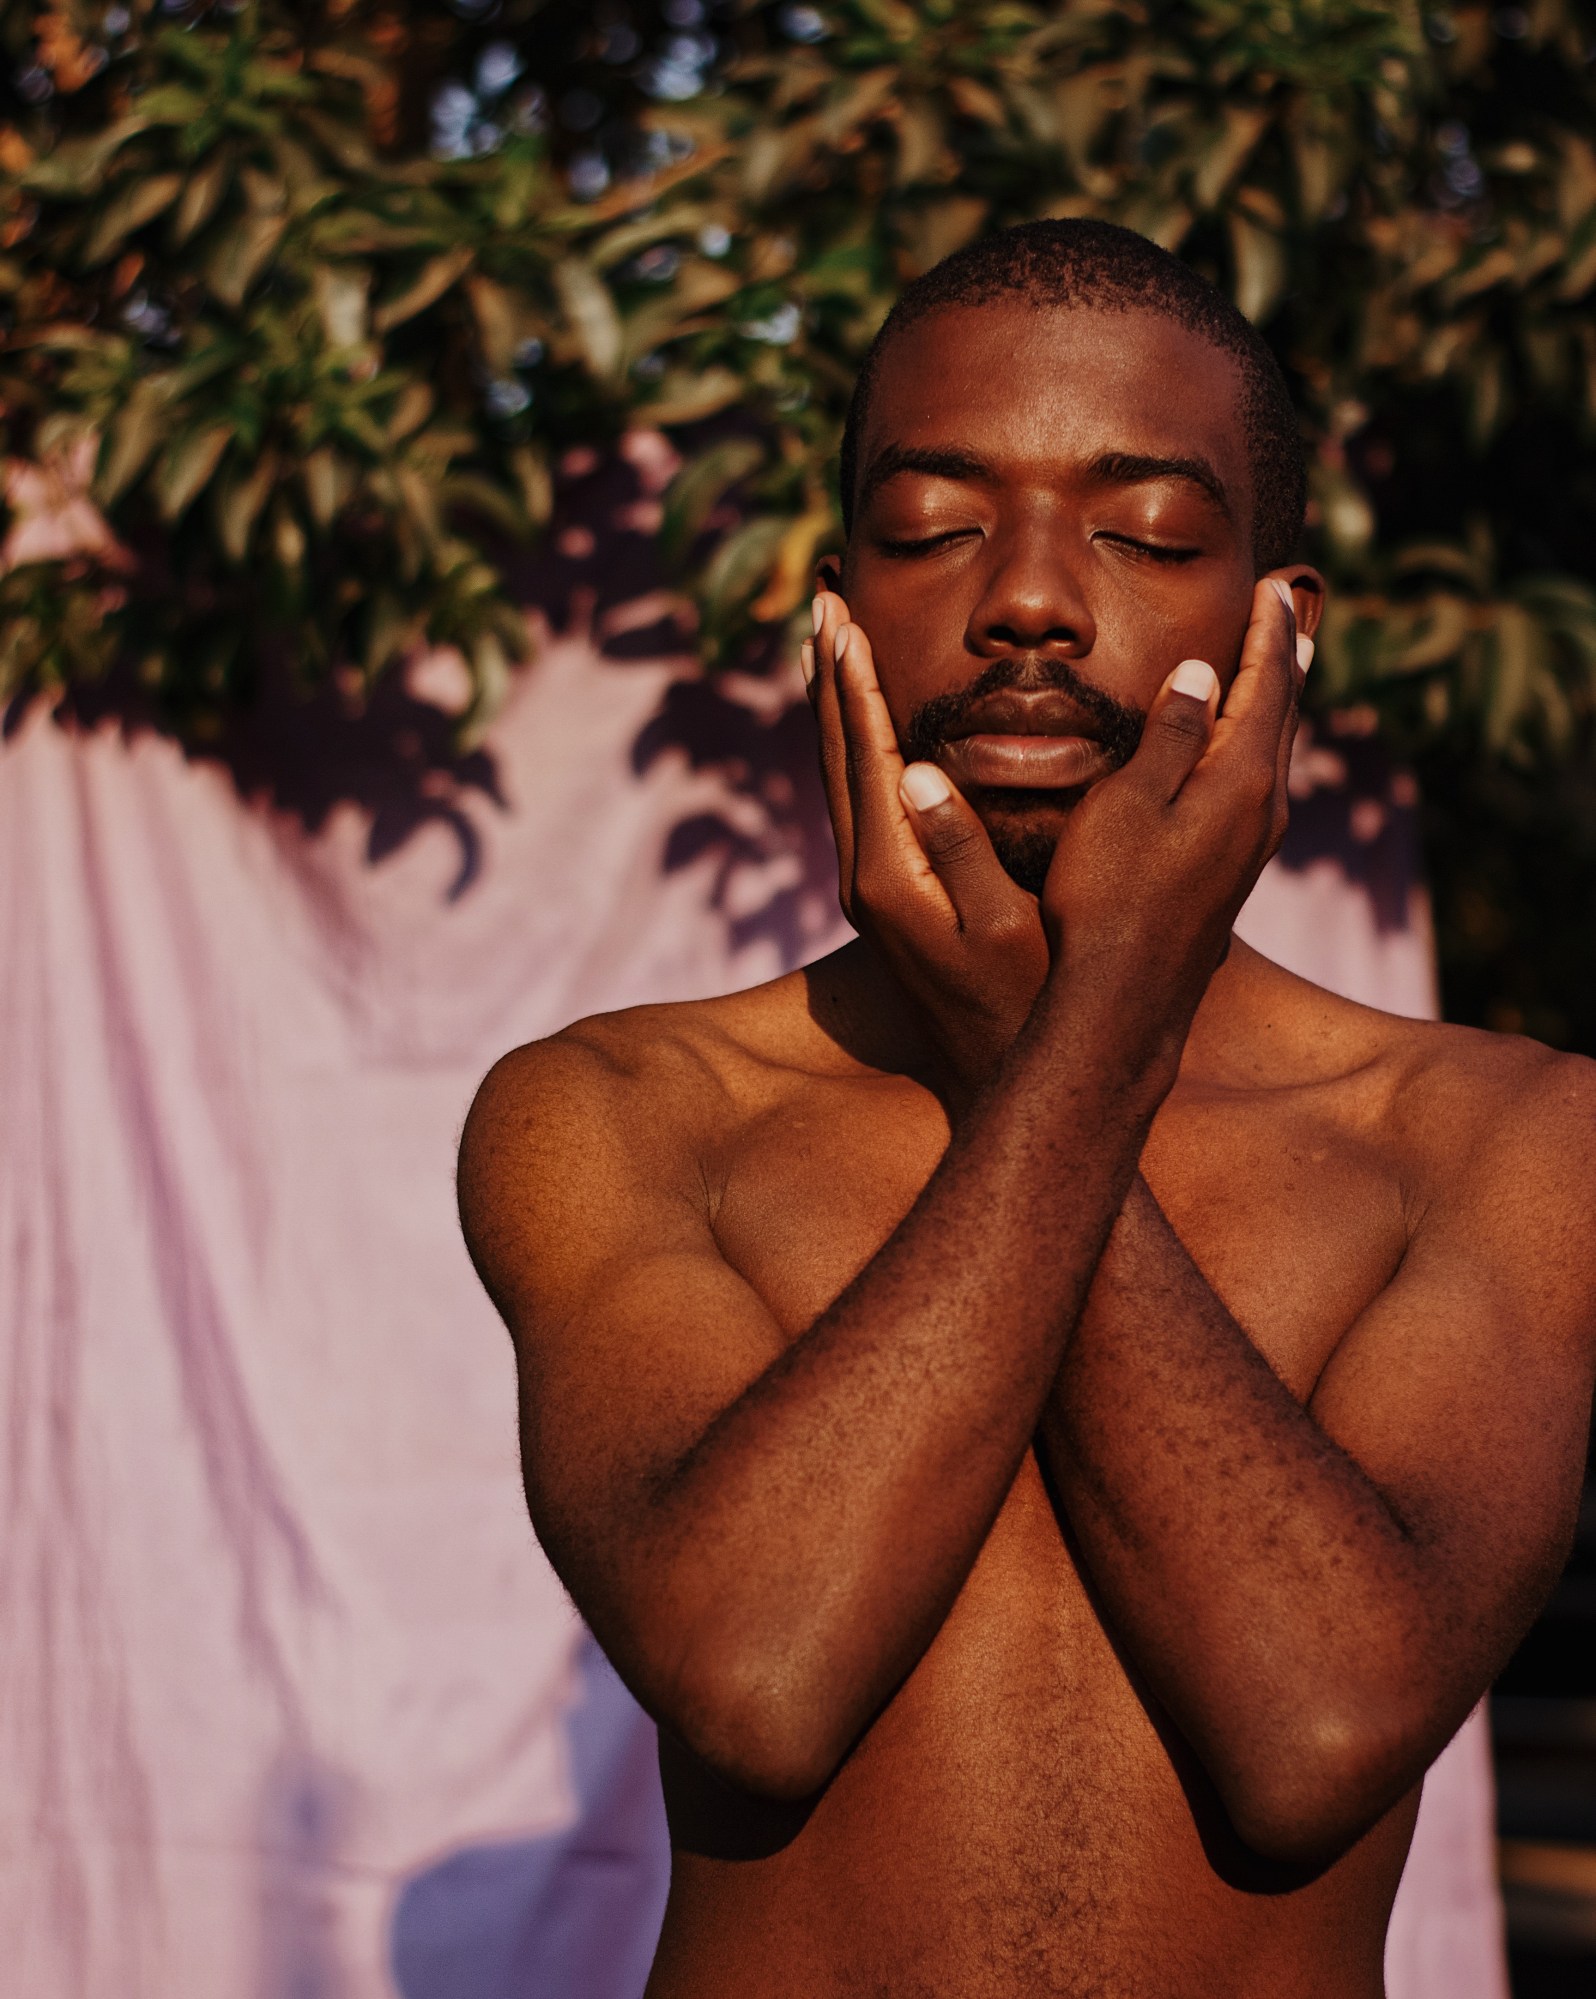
775 873
395 758
775 868
396 755
1351 806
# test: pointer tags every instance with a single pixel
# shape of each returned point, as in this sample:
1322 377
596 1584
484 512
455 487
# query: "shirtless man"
1057 1419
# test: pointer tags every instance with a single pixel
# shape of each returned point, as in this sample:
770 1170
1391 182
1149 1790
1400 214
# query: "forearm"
1264 1587
812 1540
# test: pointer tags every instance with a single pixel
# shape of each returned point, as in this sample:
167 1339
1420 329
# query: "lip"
1026 739
1035 761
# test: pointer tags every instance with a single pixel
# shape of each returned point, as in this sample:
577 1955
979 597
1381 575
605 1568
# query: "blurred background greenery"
306 302
310 297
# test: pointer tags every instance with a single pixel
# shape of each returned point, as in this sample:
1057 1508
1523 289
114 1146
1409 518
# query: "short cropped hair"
1105 268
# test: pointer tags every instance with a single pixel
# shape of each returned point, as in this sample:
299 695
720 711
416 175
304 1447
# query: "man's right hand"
918 874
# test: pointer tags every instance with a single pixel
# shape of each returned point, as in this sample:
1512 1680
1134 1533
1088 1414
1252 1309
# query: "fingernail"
1196 678
924 787
839 645
1304 651
1282 590
806 660
818 607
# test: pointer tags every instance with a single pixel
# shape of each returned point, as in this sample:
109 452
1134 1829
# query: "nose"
1031 600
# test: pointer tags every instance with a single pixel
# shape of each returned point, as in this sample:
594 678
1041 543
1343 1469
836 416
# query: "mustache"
935 723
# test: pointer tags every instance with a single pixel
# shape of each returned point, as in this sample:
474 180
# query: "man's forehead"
1019 382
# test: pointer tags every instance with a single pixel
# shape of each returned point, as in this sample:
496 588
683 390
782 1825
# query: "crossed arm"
766 1532
1319 1595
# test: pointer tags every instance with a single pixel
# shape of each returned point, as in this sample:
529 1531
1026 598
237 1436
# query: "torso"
1019 1820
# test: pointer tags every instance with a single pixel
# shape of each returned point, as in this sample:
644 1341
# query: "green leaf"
530 470
327 481
1260 263
340 294
682 397
1517 653
134 434
413 406
490 669
134 203
701 485
239 502
742 562
491 502
241 254
495 310
204 188
75 168
426 288
172 104
185 470
1226 153
591 314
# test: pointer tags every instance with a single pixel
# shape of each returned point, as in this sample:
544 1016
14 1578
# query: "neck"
856 1001
1234 1030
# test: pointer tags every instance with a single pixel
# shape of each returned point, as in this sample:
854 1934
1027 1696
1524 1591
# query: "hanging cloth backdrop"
290 1703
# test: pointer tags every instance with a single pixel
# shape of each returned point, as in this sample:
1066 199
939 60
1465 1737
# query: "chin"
1024 830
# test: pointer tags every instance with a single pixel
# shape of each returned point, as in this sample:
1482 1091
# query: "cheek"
1157 624
910 635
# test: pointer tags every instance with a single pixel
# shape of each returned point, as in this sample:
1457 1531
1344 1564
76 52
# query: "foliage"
329 286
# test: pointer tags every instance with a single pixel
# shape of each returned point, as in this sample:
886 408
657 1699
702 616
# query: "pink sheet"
290 1704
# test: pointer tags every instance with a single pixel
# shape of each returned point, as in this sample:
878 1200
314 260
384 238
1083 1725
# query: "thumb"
1177 728
956 845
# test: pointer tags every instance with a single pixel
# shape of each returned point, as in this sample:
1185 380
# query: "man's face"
1054 509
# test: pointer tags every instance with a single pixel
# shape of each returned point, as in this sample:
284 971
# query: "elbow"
1316 1793
756 1728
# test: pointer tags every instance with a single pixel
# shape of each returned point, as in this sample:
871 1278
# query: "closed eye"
921 545
1153 551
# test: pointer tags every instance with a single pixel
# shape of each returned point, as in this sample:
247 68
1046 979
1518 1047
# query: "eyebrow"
929 463
1126 468
1111 468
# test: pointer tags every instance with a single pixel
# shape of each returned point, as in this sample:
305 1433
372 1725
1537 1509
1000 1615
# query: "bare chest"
1288 1204
1024 1790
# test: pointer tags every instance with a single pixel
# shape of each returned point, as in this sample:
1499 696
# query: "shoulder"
1473 1098
1494 1129
610 1114
687 1061
1503 1131
1432 1090
608 1063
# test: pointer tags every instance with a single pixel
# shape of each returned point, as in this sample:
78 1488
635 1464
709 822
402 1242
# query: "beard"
1026 851
1024 848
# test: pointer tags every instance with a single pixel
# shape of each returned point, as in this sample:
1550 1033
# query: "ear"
828 574
1307 589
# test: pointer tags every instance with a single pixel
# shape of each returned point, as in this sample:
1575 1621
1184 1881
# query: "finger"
887 858
1260 706
1177 730
958 848
833 748
875 763
1288 736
